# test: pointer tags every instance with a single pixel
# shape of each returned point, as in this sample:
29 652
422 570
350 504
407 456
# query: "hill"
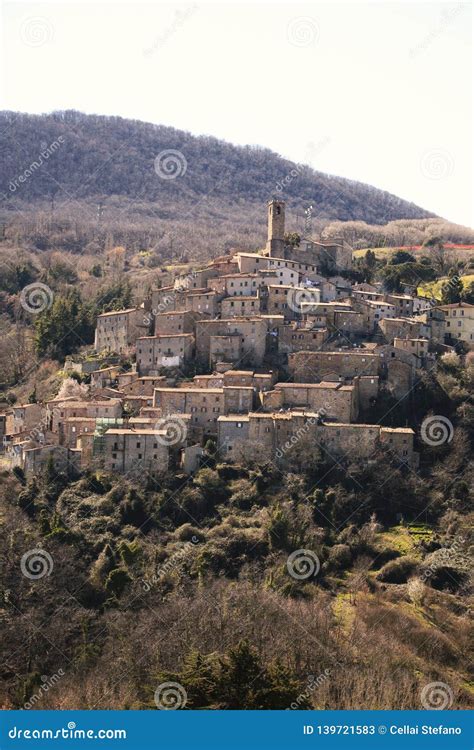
99 157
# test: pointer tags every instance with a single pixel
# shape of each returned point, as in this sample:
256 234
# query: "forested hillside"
111 156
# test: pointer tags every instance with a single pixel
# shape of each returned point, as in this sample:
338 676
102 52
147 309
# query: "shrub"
339 557
398 571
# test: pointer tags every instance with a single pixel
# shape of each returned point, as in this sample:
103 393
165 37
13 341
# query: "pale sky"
378 92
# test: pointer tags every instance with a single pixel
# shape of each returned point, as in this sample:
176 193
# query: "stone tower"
276 228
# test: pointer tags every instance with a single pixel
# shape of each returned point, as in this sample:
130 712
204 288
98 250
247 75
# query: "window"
239 424
138 445
114 455
155 445
140 455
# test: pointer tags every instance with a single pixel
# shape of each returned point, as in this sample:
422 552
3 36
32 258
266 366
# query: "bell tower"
276 228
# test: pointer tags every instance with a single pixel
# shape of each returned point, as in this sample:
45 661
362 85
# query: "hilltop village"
256 352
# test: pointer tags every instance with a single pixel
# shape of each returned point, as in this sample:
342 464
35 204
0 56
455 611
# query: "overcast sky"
378 92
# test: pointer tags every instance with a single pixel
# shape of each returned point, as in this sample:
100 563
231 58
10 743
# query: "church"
329 257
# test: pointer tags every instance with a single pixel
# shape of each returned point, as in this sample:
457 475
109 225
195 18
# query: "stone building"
245 337
401 327
143 451
374 311
459 323
175 322
335 256
285 300
204 405
335 401
295 337
74 427
26 417
155 352
143 386
348 323
58 412
240 307
204 301
417 347
3 428
118 331
273 435
311 367
403 304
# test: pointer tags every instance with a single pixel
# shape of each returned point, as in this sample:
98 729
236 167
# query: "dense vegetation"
111 156
186 580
